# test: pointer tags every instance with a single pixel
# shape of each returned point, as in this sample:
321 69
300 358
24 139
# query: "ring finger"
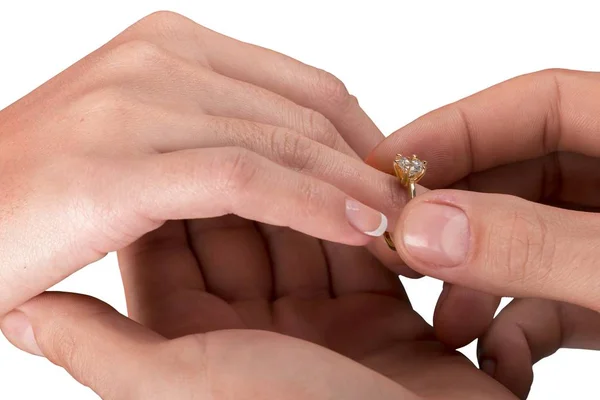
281 145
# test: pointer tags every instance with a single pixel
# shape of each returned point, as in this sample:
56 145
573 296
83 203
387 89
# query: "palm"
229 273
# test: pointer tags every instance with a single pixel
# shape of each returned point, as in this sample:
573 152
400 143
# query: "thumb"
503 245
99 347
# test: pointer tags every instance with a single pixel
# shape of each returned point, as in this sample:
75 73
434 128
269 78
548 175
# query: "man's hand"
322 325
517 217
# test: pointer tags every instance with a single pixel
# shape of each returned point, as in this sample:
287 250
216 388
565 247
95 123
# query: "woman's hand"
171 121
530 146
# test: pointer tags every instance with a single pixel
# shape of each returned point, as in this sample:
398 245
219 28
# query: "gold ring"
409 171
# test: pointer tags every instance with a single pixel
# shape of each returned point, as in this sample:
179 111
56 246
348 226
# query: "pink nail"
365 219
437 234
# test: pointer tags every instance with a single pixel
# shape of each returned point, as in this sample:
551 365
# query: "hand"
528 330
222 300
170 121
530 146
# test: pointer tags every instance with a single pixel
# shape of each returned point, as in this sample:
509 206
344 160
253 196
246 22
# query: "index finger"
526 117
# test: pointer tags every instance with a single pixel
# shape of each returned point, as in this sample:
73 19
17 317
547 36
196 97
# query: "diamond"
411 168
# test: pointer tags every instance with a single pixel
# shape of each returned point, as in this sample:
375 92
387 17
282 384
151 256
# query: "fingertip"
462 315
380 159
508 347
510 364
381 229
18 330
364 219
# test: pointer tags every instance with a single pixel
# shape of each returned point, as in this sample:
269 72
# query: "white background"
400 58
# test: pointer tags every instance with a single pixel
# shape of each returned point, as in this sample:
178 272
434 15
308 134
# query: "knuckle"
519 248
172 30
353 101
331 89
236 170
313 199
526 249
544 79
249 133
235 132
550 73
226 128
163 19
133 57
320 129
396 196
293 150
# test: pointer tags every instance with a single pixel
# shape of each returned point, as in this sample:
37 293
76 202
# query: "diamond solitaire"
409 170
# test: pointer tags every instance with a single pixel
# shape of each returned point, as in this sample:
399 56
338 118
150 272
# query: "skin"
182 152
159 125
524 155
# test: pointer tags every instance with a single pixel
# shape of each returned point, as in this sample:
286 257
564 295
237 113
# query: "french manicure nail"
437 234
17 329
365 219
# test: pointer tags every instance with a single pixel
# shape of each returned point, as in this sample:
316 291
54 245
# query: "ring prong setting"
409 170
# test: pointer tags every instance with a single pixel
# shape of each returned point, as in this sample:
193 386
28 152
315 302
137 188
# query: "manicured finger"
502 245
206 183
290 149
520 119
529 330
190 184
203 183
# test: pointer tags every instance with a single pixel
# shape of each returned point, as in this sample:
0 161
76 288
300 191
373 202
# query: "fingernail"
437 234
17 329
488 366
365 219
